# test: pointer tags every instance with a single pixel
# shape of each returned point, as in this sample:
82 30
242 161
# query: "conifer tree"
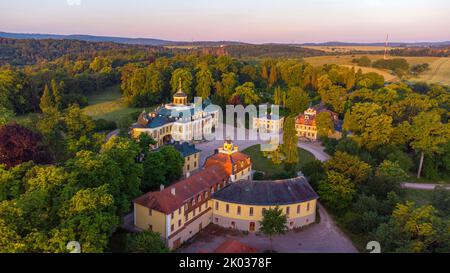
46 102
290 141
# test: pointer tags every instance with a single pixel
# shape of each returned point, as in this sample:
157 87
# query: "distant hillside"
87 38
120 40
30 51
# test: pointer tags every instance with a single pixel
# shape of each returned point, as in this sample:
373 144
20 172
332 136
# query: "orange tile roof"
164 201
228 161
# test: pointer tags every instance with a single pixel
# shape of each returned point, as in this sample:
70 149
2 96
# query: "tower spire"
179 85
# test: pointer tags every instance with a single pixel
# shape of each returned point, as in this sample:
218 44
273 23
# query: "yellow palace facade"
216 195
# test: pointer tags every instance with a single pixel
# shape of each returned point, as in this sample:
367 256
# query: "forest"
61 180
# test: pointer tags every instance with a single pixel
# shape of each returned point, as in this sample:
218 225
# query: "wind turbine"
386 47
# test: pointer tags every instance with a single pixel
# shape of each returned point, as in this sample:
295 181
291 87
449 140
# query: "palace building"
306 127
270 123
222 193
177 121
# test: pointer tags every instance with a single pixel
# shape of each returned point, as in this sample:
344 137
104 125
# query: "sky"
256 21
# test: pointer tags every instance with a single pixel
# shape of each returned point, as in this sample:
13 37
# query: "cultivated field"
439 72
347 49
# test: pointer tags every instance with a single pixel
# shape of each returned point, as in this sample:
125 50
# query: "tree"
290 140
297 100
335 96
247 93
371 128
204 82
46 102
350 166
428 135
226 87
124 152
56 93
19 144
183 75
145 142
5 115
145 242
391 170
77 124
336 191
273 222
174 162
414 229
324 123
89 215
273 76
155 170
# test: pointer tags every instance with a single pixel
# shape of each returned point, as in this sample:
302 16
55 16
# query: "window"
171 227
298 209
288 209
227 208
179 223
216 220
186 217
291 224
179 211
195 164
150 212
171 215
263 211
251 211
239 210
150 227
307 207
188 167
193 213
199 209
217 205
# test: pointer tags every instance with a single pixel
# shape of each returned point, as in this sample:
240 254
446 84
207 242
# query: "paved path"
207 148
324 237
423 186
111 134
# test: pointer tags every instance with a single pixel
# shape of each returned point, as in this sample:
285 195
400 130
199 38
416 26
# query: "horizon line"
222 40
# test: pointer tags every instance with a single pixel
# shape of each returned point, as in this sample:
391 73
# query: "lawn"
109 105
262 164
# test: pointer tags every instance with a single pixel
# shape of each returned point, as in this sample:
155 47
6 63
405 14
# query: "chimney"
161 187
172 191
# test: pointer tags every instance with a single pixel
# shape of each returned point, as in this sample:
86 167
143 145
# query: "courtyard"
321 237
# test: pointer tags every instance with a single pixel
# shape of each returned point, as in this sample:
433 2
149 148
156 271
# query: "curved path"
324 237
423 186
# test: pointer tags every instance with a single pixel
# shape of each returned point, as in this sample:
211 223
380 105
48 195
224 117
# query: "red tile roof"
164 201
311 120
228 161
